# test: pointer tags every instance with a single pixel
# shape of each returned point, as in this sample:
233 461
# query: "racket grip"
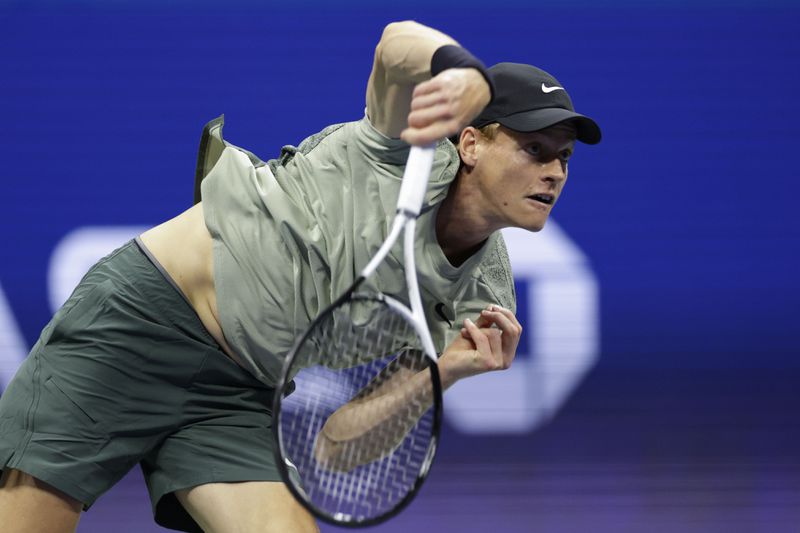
415 179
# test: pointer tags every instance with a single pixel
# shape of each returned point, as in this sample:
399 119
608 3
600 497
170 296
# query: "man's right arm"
404 101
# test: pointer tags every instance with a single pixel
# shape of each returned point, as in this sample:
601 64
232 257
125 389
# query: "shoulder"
359 136
306 146
364 138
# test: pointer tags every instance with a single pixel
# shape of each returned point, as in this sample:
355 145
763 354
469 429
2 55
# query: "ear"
468 146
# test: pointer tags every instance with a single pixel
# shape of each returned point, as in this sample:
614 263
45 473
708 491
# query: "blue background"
686 212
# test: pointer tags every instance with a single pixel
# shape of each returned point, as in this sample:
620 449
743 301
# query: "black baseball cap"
527 98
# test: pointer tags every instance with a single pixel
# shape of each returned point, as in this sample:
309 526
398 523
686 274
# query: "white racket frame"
409 204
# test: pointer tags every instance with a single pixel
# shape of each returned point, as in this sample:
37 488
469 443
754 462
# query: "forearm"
366 429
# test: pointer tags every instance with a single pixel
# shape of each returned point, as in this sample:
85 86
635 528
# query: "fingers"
427 87
430 134
484 320
441 106
507 322
503 318
488 344
432 114
495 334
427 99
494 314
477 336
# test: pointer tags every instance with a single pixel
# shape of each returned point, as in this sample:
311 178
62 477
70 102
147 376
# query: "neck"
461 229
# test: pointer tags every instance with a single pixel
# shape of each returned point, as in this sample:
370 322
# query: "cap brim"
587 129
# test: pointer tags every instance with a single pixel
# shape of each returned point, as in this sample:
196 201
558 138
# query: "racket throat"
397 226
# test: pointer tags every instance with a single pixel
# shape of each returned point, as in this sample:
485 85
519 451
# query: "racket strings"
361 352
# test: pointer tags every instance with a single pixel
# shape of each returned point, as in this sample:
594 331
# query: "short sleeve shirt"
292 234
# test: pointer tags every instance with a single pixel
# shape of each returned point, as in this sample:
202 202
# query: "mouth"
546 199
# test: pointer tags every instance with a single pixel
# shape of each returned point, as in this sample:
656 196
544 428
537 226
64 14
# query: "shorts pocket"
59 424
68 404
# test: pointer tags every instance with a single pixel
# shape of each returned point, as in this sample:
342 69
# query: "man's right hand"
443 105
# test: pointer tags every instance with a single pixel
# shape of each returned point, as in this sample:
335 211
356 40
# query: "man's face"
521 175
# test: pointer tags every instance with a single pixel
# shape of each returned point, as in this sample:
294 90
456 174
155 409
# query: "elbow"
398 28
394 48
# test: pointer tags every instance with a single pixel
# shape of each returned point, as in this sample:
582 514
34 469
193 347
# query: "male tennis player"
165 353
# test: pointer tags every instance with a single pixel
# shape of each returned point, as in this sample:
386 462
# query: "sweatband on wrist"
452 56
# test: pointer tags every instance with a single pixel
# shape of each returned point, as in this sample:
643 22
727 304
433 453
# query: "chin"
534 226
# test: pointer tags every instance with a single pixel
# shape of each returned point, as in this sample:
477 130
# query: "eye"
535 149
564 155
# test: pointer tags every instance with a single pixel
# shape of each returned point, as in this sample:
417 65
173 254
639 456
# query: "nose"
555 171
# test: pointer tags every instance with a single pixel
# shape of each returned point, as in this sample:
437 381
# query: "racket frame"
284 464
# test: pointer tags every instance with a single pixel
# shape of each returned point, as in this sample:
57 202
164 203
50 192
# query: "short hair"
489 131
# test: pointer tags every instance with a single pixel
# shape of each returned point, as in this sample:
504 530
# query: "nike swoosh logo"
440 311
546 89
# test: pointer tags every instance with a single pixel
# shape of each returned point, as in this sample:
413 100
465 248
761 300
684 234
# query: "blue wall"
685 210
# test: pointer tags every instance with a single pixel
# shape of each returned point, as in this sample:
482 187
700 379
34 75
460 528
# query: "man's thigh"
253 506
27 504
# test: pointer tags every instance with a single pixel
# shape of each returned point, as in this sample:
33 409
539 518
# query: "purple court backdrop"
657 386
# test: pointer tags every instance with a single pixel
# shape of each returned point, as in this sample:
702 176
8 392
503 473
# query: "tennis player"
166 353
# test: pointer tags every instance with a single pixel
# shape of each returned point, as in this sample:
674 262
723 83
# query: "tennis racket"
357 408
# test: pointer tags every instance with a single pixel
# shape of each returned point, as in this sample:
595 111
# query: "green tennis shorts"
125 373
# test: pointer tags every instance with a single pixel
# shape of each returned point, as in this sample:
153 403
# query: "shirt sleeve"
383 150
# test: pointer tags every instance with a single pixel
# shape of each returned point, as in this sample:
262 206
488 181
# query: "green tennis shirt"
292 234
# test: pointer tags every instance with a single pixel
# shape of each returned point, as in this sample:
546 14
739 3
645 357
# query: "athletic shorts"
125 373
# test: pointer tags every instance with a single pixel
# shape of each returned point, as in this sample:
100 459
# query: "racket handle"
415 179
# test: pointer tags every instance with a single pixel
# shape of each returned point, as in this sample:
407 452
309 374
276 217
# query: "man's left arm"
379 417
485 345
